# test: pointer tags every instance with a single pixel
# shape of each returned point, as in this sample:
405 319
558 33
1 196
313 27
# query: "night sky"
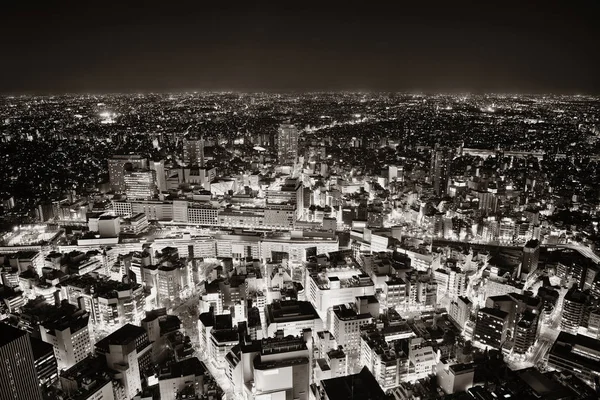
527 46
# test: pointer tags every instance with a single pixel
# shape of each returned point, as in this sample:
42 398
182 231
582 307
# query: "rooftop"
361 386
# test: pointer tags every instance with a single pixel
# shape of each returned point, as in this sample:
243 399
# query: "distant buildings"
441 159
193 151
287 144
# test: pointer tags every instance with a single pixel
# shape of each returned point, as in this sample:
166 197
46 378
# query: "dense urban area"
309 246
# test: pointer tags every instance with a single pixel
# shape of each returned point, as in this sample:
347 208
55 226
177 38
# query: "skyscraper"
193 151
117 166
18 377
287 144
441 158
140 184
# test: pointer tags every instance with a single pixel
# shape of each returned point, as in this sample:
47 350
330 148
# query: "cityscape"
299 244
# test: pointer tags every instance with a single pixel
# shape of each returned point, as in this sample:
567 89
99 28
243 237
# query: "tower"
287 144
441 158
18 378
193 151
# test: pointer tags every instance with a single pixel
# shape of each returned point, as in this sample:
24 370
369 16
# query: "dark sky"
526 46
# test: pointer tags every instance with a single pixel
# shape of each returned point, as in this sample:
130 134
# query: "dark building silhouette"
18 377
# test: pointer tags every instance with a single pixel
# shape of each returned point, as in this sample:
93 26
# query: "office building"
89 379
18 376
193 151
337 285
287 144
118 164
159 173
491 327
573 312
346 327
44 362
70 337
456 377
531 257
441 158
460 311
526 332
140 184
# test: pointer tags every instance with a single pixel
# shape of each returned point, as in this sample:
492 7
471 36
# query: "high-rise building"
531 257
70 337
287 144
460 311
140 183
440 169
574 305
526 332
118 164
161 178
127 352
44 362
346 327
18 377
193 151
491 327
292 317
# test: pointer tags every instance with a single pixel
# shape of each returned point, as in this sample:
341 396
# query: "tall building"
346 327
45 363
161 178
193 151
128 353
18 377
460 311
574 306
491 327
140 183
287 144
440 169
70 337
88 380
118 164
526 332
531 257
